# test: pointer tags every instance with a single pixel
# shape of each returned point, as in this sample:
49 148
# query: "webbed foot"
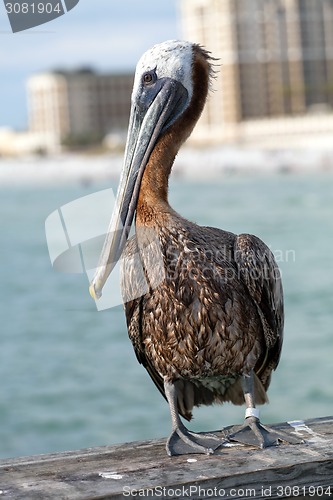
252 432
183 442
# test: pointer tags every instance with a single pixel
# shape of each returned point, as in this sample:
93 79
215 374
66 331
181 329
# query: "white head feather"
171 59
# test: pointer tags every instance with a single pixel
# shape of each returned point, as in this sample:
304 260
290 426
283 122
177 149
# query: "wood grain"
142 469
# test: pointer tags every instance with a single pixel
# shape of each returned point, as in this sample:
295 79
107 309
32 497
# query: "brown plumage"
208 326
218 312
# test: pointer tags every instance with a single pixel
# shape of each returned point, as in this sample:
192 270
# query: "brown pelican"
209 326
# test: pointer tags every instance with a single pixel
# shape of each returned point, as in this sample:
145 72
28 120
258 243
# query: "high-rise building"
275 58
79 104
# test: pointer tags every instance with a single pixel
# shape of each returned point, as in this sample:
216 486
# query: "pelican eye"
149 77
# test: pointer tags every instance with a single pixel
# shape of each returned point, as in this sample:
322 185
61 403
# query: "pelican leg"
181 441
252 432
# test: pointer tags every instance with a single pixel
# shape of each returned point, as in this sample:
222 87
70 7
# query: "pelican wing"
132 283
259 271
133 311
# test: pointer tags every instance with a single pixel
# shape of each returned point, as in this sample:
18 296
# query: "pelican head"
163 93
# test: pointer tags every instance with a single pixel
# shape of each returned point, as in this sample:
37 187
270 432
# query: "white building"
13 143
78 105
275 59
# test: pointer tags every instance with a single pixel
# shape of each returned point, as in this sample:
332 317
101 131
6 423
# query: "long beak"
145 127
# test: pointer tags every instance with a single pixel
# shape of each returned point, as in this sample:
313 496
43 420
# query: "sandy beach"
205 163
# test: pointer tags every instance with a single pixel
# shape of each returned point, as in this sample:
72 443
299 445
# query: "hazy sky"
105 34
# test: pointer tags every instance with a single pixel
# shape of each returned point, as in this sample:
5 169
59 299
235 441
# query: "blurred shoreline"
191 162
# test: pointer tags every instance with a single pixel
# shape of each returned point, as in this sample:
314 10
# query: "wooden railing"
143 470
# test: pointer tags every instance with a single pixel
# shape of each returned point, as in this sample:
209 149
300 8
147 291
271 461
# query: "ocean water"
68 376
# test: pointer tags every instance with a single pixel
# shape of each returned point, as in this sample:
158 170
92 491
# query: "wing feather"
260 273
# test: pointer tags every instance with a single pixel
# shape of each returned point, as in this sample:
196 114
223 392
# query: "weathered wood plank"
130 470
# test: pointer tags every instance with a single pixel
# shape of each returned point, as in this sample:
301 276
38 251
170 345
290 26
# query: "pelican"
208 328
